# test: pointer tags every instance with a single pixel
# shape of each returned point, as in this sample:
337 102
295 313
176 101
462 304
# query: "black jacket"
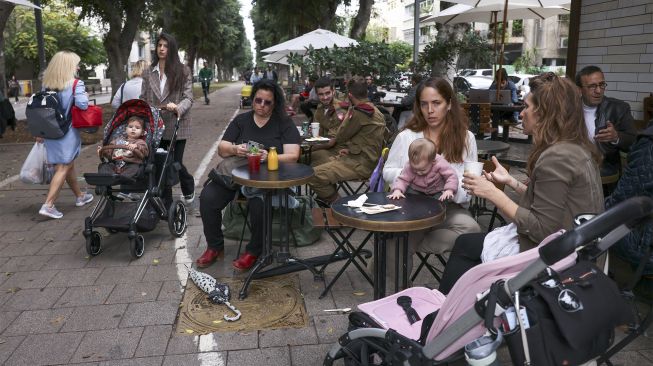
637 180
617 112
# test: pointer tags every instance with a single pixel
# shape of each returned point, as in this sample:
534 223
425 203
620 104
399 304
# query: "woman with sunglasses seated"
268 125
563 179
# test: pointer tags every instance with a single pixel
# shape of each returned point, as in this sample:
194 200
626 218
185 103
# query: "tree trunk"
118 40
5 11
326 20
361 20
191 55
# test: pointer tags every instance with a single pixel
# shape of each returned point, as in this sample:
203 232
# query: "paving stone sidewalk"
58 306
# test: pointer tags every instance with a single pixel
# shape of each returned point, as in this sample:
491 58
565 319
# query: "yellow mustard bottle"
273 159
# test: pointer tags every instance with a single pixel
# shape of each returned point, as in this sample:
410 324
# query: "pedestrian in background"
130 89
14 88
168 85
59 76
205 76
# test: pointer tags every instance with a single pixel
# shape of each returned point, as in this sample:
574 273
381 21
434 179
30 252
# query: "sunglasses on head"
261 101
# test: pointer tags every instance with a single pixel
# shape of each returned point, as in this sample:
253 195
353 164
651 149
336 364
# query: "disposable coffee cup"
315 129
473 168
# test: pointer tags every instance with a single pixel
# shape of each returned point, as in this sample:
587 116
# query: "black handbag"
221 174
571 317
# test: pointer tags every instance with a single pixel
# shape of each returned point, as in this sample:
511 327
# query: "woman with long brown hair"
168 85
563 171
438 117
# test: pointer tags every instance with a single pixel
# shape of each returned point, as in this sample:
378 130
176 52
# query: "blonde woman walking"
59 76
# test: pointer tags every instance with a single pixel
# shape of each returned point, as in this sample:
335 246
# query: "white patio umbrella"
277 58
319 38
523 3
488 11
22 2
461 13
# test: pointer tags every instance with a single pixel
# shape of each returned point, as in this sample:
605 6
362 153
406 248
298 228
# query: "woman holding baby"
438 118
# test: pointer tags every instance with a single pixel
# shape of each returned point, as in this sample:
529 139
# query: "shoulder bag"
88 120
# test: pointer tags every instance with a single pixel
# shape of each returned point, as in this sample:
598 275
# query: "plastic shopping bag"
36 169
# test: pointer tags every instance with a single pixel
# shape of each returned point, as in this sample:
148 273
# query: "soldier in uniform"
355 148
329 114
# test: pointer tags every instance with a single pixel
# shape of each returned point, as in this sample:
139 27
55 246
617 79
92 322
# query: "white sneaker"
51 212
188 199
84 199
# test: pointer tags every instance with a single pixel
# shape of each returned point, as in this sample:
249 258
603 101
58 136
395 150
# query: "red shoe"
209 256
245 261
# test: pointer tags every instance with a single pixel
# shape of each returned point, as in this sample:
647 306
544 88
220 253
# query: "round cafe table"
417 212
288 175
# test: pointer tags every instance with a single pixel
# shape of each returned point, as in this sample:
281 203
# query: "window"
518 28
564 41
486 73
141 50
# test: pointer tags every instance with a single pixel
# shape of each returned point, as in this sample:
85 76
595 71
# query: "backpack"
46 116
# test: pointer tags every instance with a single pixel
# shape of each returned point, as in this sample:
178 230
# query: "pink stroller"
419 326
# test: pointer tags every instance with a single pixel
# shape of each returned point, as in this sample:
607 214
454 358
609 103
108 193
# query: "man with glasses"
609 122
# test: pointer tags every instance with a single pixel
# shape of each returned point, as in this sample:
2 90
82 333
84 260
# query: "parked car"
479 82
521 82
399 82
461 85
476 72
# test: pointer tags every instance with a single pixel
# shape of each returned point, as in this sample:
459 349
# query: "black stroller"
145 207
568 308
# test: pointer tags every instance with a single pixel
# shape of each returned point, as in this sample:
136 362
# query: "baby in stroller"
126 153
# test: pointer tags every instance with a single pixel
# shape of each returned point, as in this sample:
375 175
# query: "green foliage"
62 31
216 31
276 21
473 51
518 28
526 62
441 52
377 58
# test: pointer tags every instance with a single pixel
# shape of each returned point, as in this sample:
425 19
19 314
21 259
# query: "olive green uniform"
361 132
330 118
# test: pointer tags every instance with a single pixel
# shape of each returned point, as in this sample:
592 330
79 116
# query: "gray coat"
152 94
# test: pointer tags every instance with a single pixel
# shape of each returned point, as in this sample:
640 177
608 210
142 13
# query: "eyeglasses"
261 101
601 85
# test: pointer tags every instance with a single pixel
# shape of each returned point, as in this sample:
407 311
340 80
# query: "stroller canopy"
154 126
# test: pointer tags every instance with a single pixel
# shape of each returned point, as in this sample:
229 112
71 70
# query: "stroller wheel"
177 219
94 244
137 246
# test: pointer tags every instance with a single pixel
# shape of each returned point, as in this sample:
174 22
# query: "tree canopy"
62 31
216 32
276 21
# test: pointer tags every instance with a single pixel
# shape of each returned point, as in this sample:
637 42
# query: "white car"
521 82
479 82
476 72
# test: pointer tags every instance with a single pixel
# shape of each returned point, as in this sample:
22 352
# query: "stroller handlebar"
610 226
628 213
